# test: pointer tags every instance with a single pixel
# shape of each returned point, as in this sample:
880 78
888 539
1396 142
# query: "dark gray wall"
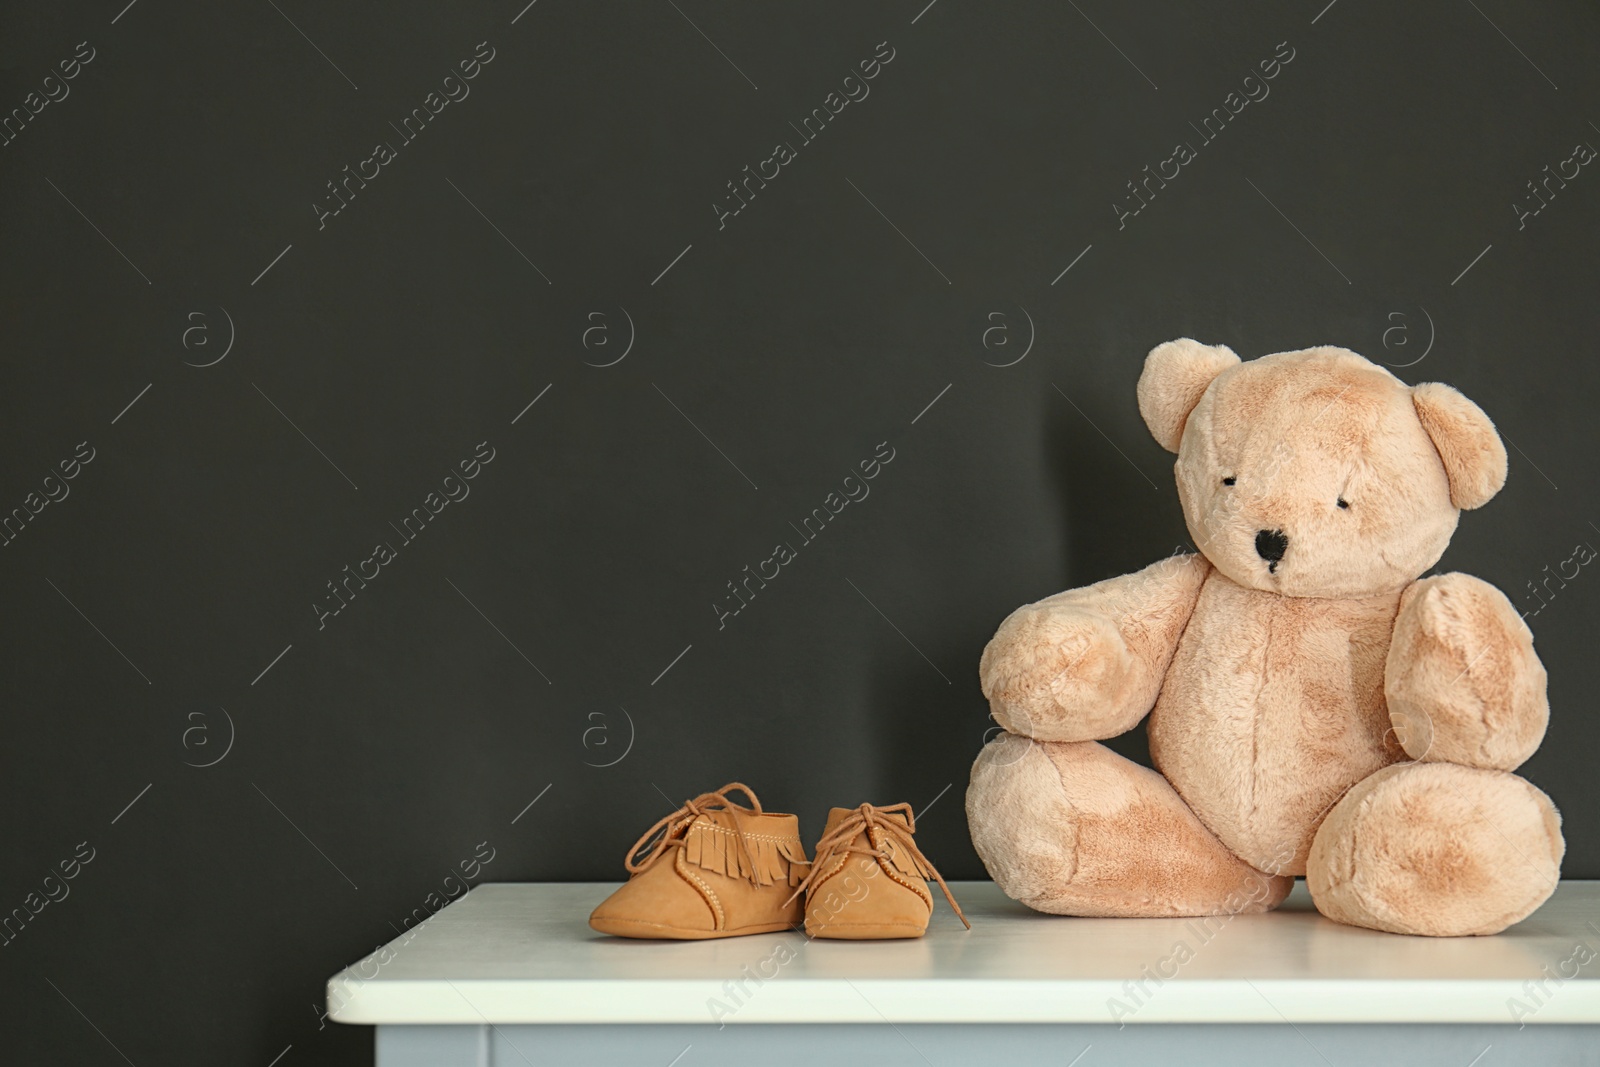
166 608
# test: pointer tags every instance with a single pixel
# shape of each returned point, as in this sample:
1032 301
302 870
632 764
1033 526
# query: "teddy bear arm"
1462 681
1086 664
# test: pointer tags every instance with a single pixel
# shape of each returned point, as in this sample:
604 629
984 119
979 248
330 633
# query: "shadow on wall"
1120 508
927 734
1116 520
1118 502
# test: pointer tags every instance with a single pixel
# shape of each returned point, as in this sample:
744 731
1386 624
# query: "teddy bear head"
1317 473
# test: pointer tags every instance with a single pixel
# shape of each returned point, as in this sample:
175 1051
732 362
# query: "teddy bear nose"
1271 544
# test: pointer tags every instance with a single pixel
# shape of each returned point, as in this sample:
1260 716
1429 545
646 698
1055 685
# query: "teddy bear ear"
1175 376
1474 458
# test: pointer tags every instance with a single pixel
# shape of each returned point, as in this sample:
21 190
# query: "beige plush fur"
1131 846
1478 845
1179 372
1473 456
1086 664
1314 708
1467 687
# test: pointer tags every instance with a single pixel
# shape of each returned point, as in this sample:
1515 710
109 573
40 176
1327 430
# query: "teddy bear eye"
1229 480
1343 503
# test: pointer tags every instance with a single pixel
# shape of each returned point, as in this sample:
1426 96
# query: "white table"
512 974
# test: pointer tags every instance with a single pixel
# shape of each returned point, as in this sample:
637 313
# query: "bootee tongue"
838 815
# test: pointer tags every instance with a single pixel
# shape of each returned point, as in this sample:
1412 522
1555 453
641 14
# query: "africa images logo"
855 89
455 89
855 488
1255 89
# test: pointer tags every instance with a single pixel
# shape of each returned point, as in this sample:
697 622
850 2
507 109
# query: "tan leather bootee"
869 880
712 868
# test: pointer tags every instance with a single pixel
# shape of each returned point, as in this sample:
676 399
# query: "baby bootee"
869 880
713 868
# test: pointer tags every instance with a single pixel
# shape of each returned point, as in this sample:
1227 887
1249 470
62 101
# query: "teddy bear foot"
1436 849
1072 828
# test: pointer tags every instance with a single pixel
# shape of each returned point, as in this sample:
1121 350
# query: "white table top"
523 953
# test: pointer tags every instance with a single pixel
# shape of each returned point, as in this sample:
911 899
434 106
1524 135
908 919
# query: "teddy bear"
1316 707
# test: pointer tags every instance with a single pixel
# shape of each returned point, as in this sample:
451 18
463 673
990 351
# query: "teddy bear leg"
1436 849
1073 828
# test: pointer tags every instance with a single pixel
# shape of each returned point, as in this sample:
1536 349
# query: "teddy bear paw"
1436 849
1057 673
1462 681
